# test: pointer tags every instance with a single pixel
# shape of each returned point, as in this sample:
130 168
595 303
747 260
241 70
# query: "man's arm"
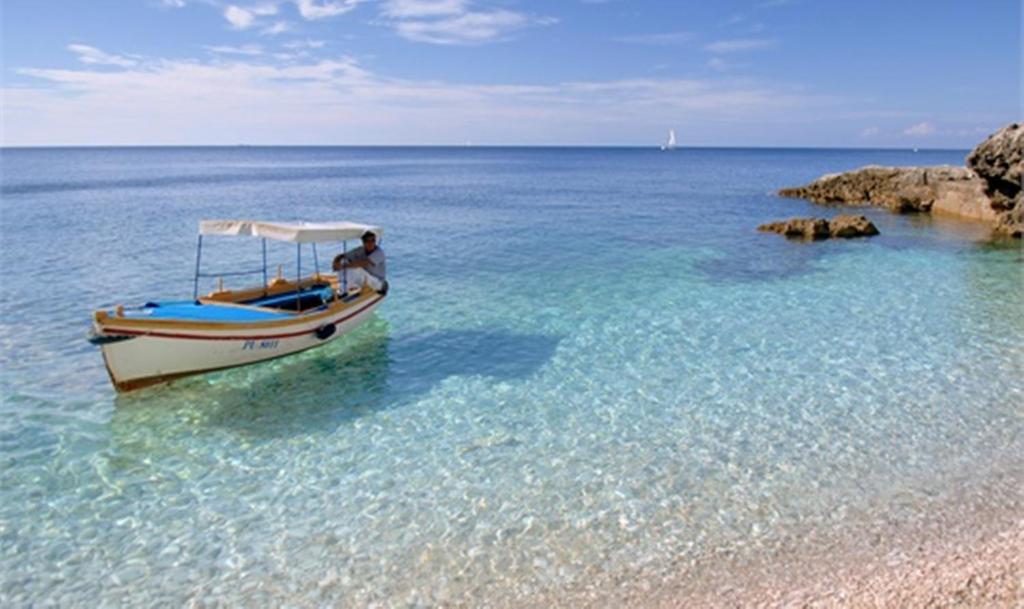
358 264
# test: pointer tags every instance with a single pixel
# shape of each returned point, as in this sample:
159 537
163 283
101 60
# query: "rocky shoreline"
988 189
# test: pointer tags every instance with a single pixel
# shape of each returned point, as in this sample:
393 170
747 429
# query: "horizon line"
483 146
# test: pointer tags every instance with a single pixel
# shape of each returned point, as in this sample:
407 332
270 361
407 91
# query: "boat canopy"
293 232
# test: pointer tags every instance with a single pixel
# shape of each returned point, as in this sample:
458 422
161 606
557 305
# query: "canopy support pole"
344 275
264 243
316 261
298 277
195 279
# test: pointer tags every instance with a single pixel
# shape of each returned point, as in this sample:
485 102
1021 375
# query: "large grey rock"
899 189
964 198
1011 223
998 161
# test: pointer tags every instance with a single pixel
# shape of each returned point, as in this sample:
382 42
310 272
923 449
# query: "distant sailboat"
671 144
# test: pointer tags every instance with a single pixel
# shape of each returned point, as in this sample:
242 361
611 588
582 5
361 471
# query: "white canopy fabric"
294 232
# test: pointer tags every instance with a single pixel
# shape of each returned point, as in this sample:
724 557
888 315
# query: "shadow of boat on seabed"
321 389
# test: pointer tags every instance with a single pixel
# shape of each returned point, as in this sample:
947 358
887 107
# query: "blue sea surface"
590 369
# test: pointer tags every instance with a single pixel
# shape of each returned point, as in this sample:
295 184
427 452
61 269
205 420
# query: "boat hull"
139 355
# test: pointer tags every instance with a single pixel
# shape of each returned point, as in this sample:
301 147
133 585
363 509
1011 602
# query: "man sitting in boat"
364 265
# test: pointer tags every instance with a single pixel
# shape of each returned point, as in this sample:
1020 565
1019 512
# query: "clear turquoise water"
590 366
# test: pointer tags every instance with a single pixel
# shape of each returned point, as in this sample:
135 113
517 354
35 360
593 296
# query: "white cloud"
173 3
739 45
238 17
312 9
924 128
467 28
263 10
473 27
410 9
433 21
974 131
164 101
870 132
88 54
717 63
304 44
276 28
244 18
453 21
248 49
721 64
658 39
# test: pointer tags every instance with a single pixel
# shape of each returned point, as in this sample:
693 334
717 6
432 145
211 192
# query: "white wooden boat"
161 341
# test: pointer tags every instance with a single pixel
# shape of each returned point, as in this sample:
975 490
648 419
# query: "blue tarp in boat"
201 312
194 311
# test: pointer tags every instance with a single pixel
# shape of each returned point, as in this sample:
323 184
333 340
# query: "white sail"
671 140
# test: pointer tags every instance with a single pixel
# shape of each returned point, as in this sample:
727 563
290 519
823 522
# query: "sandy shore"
986 572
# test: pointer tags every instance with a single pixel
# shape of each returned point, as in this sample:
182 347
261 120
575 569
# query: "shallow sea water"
591 366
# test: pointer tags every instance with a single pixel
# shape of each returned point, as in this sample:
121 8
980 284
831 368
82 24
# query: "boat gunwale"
108 323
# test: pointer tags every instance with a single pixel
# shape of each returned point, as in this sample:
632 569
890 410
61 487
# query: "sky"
866 73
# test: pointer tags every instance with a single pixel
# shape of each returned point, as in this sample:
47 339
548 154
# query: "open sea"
591 374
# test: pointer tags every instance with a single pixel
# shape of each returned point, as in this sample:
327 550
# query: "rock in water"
1011 223
899 189
800 228
843 227
851 226
999 162
988 189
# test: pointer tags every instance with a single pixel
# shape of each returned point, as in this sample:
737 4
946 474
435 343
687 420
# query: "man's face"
370 244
